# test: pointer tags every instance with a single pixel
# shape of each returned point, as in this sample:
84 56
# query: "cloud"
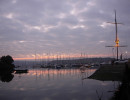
60 25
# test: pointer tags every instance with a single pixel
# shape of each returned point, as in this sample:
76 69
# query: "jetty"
109 72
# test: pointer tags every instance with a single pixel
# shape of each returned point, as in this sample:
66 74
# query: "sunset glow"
63 57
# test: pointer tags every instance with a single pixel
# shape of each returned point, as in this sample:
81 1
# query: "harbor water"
55 84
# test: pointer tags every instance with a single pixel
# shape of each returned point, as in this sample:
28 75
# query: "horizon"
59 58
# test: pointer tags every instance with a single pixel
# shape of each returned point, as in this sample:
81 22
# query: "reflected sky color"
63 84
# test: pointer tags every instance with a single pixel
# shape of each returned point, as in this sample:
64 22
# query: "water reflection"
51 74
53 84
6 76
20 72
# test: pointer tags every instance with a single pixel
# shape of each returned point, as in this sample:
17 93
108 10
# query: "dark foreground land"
116 72
123 91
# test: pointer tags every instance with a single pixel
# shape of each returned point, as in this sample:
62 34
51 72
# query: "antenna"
117 39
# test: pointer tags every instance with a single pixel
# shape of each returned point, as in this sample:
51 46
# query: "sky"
62 27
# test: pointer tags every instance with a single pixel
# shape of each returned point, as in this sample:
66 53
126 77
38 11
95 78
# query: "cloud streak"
61 26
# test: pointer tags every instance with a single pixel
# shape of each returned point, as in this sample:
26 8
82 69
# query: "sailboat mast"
117 40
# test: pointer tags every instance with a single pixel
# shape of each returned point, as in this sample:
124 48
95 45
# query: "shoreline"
116 72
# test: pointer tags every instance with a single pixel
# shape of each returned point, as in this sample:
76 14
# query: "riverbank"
116 72
123 90
108 72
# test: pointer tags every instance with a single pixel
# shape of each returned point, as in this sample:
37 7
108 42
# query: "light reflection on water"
53 84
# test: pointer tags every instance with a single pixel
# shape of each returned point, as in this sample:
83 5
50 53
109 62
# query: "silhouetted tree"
7 59
6 63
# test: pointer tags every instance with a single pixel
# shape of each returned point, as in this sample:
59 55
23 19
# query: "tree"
7 59
6 64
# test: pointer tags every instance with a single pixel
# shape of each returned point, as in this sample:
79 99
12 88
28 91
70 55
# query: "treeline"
6 64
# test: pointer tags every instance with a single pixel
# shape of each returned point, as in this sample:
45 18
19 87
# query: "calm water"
53 84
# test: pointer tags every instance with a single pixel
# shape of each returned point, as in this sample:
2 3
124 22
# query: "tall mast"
117 39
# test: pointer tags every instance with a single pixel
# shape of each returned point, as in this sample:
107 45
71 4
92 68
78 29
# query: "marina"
64 50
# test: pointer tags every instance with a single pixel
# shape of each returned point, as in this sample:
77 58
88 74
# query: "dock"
109 72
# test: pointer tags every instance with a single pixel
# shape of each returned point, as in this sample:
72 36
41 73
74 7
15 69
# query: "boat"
20 70
58 66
